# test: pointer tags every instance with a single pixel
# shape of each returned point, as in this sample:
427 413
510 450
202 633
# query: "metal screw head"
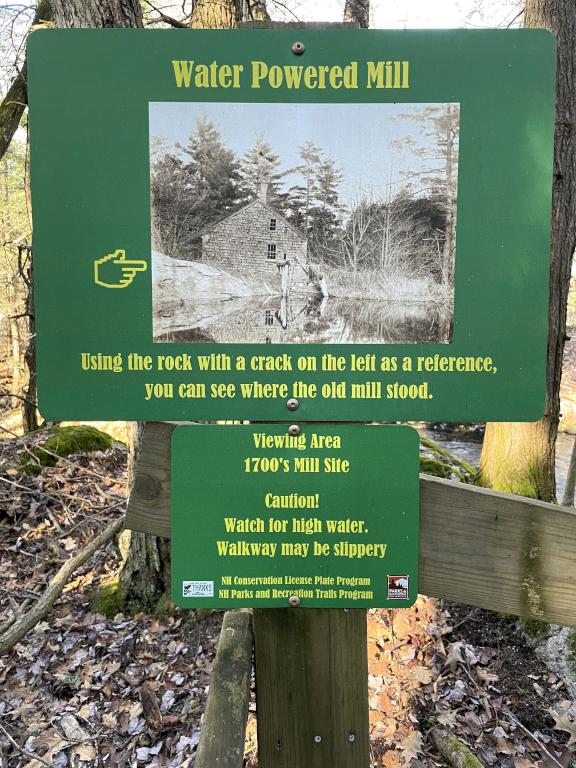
317 739
294 601
298 48
294 430
292 404
351 738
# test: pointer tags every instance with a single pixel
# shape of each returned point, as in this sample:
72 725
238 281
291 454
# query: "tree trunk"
15 343
144 580
25 268
519 458
14 103
216 14
358 11
97 13
257 10
449 243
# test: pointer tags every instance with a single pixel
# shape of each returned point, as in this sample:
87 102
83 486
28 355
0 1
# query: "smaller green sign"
311 516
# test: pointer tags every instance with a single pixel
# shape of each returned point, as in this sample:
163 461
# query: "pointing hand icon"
116 271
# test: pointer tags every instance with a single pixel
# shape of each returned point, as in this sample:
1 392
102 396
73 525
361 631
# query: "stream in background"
469 449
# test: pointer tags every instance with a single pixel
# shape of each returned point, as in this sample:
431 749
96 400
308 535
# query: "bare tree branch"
29 620
257 10
166 19
22 751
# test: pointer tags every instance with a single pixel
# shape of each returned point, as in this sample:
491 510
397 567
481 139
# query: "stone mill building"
258 241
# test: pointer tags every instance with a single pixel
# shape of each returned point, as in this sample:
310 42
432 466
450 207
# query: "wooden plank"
493 550
312 688
149 504
224 729
498 551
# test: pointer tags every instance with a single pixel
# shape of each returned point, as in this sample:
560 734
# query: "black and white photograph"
308 223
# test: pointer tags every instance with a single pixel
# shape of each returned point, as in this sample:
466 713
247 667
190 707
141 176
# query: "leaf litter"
85 690
82 689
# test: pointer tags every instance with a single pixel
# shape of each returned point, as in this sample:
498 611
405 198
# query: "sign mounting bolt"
294 430
294 601
298 48
317 739
292 404
351 738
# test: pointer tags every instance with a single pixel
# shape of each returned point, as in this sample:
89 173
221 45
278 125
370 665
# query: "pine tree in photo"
172 206
438 125
261 165
212 179
324 214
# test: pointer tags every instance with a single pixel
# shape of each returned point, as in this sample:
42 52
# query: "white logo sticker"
197 589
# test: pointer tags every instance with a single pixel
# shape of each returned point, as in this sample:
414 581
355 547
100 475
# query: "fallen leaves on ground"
422 672
85 690
82 689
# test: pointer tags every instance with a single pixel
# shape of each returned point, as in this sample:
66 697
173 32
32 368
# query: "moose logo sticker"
398 587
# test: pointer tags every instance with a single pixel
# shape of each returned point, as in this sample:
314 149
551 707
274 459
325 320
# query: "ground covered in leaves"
469 672
82 689
71 692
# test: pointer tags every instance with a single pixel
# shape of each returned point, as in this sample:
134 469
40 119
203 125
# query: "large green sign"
224 221
269 516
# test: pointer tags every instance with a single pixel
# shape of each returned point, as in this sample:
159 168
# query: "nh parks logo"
398 587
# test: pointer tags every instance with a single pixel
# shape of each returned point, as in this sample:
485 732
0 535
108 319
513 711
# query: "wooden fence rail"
491 550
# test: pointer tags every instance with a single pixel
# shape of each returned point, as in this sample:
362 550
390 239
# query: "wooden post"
311 664
312 688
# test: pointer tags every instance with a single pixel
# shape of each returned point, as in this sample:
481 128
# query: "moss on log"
443 463
457 754
63 442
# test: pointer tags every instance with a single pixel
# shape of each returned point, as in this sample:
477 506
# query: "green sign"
221 225
324 518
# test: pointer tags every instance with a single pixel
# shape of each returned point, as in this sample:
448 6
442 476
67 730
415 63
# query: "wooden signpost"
314 225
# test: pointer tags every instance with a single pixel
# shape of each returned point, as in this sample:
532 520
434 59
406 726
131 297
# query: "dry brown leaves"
83 690
420 675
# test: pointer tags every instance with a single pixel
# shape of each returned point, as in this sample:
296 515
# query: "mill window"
269 317
271 250
272 225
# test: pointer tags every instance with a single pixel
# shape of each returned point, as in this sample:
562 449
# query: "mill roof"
274 213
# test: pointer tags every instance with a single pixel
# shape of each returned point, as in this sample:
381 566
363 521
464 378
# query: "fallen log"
454 751
27 621
223 732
